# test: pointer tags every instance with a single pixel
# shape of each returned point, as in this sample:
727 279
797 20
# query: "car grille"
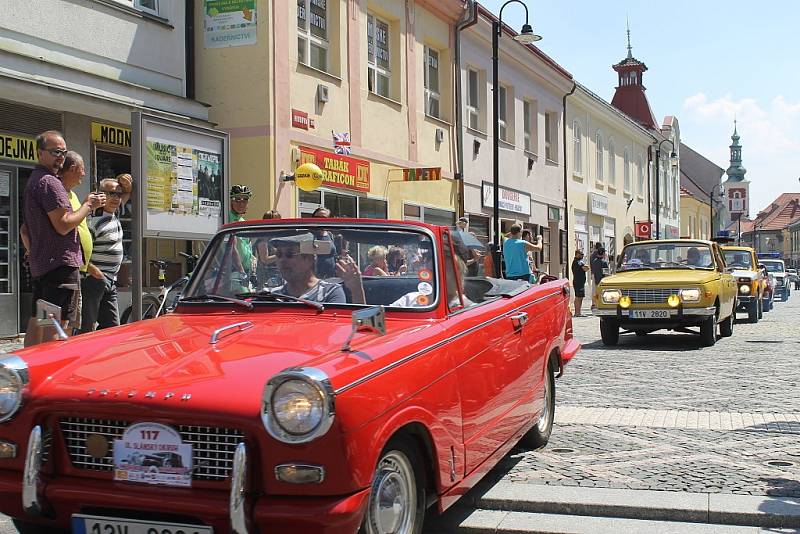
212 447
650 295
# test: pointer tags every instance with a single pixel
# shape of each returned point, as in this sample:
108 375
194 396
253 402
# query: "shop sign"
608 228
672 232
423 174
643 229
300 120
18 148
598 204
229 23
510 200
108 134
580 221
342 172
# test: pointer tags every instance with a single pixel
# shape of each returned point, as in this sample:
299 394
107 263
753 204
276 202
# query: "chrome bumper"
31 491
238 491
673 312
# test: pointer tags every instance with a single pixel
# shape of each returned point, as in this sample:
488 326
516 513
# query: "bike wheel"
150 304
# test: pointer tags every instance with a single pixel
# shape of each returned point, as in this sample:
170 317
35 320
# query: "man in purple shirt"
54 252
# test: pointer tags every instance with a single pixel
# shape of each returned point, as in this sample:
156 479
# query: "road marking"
685 419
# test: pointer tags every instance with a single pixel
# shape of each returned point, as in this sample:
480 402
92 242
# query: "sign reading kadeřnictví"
229 23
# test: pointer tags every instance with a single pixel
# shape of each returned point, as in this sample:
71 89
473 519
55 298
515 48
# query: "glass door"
9 293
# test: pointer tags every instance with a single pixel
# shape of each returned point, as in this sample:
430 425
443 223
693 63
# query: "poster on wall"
229 23
184 173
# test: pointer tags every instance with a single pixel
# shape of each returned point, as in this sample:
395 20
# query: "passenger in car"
396 261
378 265
424 295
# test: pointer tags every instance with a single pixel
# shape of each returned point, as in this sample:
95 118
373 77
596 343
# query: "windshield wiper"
281 297
222 298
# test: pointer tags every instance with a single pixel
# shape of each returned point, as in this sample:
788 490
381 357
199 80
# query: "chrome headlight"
690 295
297 405
13 381
611 296
744 289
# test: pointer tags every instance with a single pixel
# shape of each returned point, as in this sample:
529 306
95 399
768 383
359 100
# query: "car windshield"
287 264
739 259
773 266
666 255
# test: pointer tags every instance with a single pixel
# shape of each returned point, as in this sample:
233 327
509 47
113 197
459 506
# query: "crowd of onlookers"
73 247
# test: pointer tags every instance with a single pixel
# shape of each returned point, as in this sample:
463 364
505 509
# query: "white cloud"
770 137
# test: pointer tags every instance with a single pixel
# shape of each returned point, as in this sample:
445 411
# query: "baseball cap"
463 219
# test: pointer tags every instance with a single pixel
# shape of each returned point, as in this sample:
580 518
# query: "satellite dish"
308 177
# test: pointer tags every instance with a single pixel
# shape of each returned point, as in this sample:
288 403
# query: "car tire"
538 436
760 308
609 332
726 327
31 528
765 305
398 479
150 305
708 332
753 311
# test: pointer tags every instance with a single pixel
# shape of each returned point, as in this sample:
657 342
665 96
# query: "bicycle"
155 305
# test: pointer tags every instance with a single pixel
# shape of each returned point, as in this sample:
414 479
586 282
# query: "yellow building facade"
375 74
695 222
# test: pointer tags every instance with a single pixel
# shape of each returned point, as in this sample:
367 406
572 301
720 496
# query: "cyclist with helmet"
240 197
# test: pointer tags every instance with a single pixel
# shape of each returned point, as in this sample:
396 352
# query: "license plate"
649 314
90 524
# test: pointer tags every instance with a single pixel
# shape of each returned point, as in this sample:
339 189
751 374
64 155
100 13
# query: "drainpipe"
189 49
469 18
566 194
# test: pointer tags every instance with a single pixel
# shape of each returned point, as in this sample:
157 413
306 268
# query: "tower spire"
628 25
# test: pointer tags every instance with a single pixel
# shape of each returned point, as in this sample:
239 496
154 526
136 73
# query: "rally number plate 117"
90 524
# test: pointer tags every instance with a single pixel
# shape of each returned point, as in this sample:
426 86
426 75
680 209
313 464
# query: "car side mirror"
372 319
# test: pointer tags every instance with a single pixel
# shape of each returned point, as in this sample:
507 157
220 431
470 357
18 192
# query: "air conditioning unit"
322 93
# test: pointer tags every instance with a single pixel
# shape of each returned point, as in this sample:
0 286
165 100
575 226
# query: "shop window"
151 6
109 164
431 75
340 205
412 212
545 254
379 64
312 33
372 208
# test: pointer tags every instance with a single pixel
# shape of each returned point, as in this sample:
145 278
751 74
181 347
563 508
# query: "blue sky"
707 61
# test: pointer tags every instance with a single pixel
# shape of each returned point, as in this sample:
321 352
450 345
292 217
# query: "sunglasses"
240 199
116 194
57 152
288 254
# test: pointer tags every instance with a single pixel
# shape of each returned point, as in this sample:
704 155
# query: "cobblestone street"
661 413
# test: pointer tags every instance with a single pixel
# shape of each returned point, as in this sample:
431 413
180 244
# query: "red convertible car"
346 378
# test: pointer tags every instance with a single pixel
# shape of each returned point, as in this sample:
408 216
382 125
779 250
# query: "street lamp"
525 36
711 206
673 158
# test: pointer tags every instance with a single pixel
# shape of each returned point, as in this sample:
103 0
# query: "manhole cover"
562 450
780 463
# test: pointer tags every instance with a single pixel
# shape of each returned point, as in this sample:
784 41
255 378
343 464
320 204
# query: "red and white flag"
341 143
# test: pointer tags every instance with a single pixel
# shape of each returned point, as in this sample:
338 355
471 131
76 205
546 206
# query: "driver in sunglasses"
296 259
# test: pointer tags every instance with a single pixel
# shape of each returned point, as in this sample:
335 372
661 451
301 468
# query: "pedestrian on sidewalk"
579 270
598 263
99 286
53 246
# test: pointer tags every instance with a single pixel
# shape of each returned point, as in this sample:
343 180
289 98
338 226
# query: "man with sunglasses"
99 288
54 255
243 252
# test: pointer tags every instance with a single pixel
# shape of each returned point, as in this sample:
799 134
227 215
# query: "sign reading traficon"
338 171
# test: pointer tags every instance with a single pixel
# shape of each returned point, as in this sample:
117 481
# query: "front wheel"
397 498
753 311
609 332
708 332
538 436
761 308
726 326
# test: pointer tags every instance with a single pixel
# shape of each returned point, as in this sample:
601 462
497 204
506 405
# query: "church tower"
629 96
737 188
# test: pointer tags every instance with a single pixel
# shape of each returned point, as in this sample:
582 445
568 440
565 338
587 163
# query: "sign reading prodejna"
18 148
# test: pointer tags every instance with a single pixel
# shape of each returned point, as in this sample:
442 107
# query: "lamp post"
672 156
711 206
525 36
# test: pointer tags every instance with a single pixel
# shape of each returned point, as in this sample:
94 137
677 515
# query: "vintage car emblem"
97 446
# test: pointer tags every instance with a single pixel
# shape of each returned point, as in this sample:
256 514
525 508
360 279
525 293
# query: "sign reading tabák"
338 171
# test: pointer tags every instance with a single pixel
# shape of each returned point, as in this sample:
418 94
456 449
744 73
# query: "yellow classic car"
667 284
749 280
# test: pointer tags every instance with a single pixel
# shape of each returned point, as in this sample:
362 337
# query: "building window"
151 6
379 71
640 176
502 95
612 164
550 141
413 212
626 171
431 74
599 163
312 33
577 148
530 126
473 99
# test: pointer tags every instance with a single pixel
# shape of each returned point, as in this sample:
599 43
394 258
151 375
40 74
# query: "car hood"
145 362
744 274
662 277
